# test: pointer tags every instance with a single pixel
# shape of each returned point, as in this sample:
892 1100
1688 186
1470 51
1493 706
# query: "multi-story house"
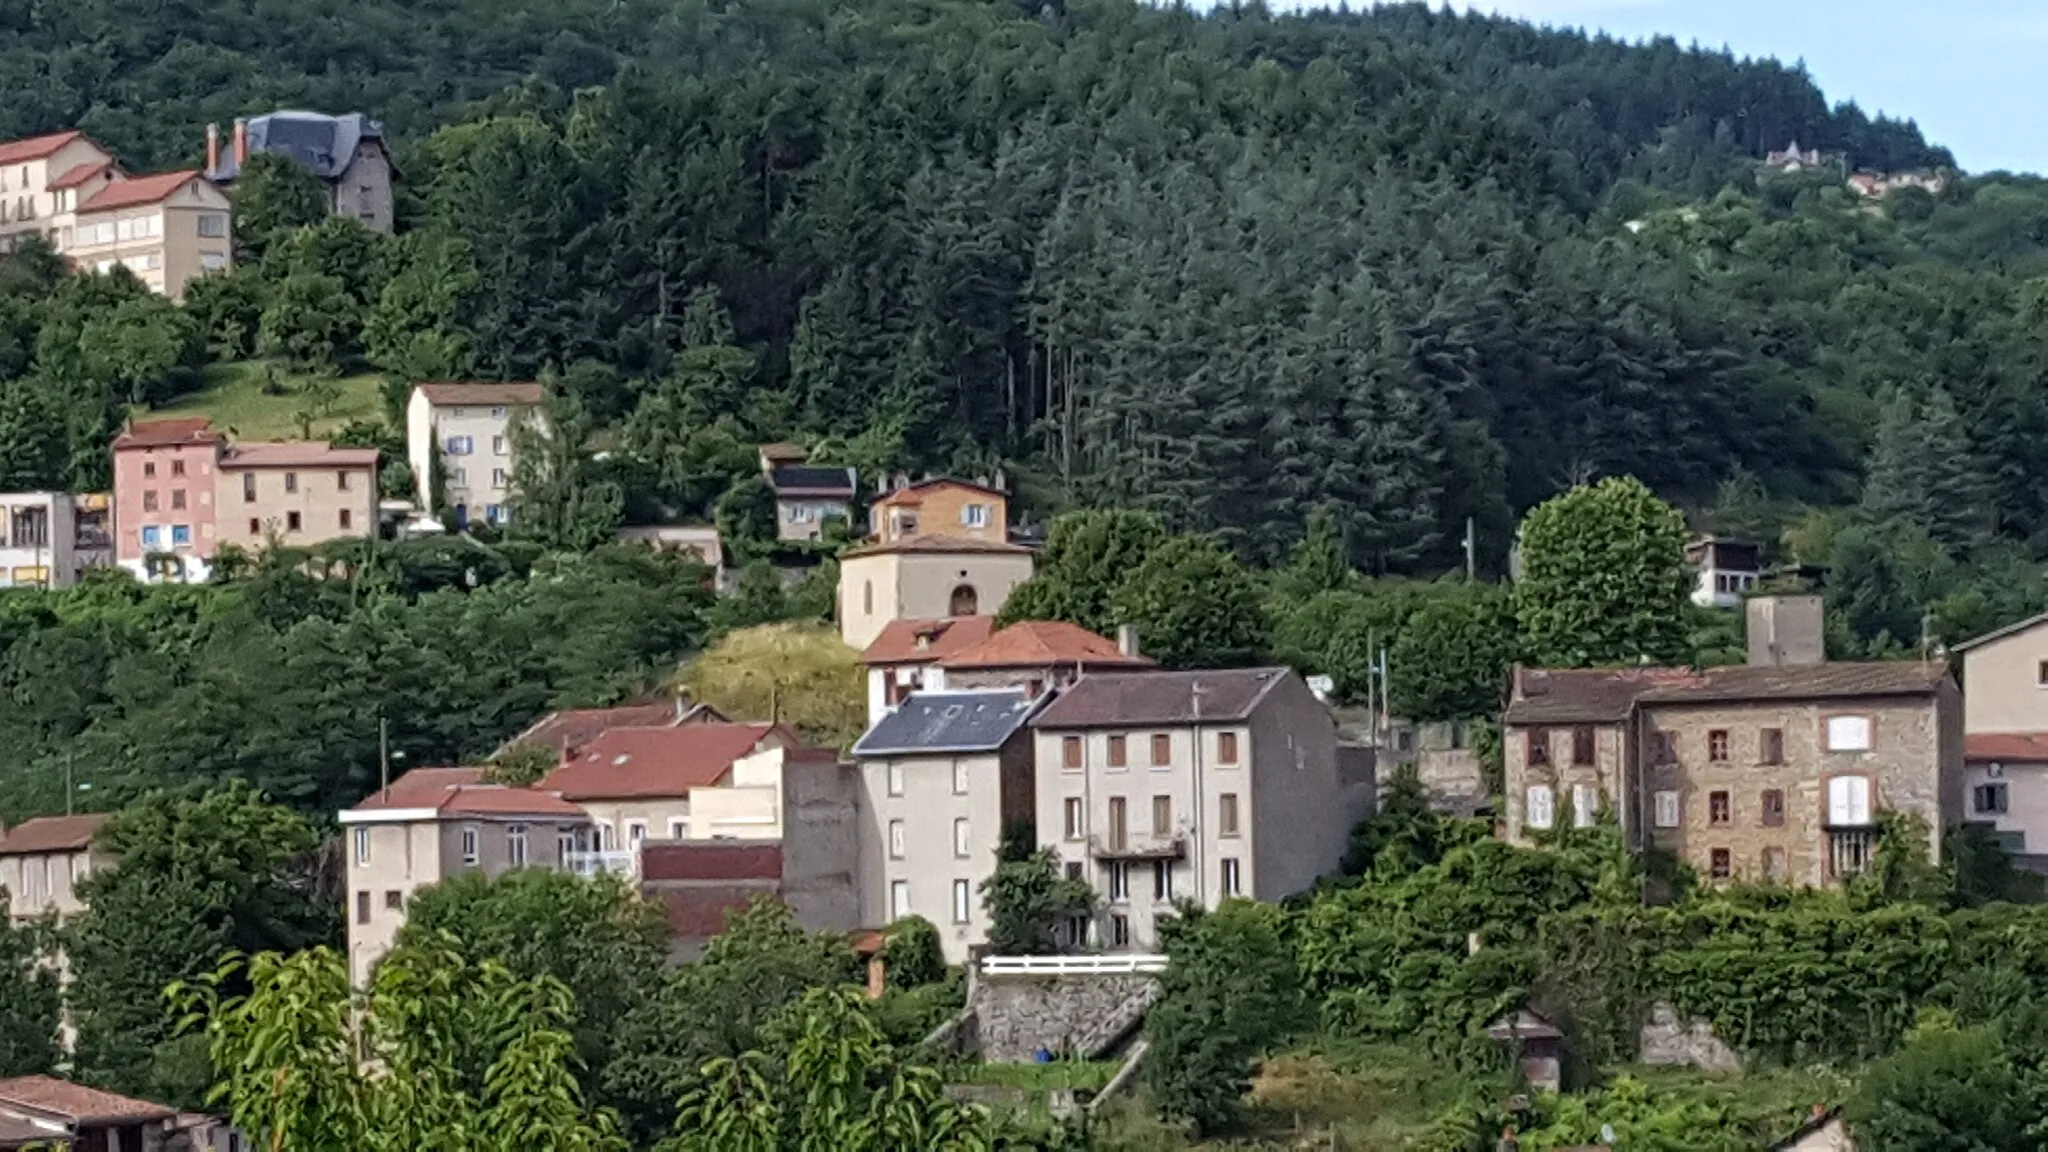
1776 770
941 777
806 497
346 153
467 432
940 548
165 228
51 539
1165 786
904 657
434 823
42 862
700 781
1035 655
2005 726
181 490
1726 569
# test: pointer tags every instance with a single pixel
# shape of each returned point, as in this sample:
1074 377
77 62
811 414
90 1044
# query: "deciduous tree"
1604 578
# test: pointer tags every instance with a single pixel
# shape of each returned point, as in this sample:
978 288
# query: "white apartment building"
467 429
51 539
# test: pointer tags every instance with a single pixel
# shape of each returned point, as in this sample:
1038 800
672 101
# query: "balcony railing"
1849 851
623 862
1172 846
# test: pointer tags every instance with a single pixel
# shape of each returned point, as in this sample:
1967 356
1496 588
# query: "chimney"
241 142
1127 639
1786 631
212 149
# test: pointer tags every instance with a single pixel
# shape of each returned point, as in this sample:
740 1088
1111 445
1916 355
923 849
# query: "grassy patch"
1089 1074
252 402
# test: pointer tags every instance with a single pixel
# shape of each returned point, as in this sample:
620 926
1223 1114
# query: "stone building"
1776 770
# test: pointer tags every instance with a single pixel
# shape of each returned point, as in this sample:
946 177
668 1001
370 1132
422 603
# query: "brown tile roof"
80 173
31 1133
2018 747
625 763
297 454
141 190
451 792
1606 695
913 494
937 542
571 728
51 834
1041 643
49 1094
921 641
35 147
1113 700
170 432
481 394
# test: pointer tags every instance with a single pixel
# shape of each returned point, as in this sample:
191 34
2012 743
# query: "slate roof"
1044 643
2001 633
798 480
948 722
933 542
922 641
1121 699
51 834
1586 696
325 144
85 1105
629 763
1985 747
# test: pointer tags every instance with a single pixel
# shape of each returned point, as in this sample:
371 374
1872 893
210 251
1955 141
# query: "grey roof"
2000 633
948 722
1555 696
1116 700
791 478
325 144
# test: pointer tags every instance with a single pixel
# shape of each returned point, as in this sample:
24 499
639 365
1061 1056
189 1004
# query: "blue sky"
1969 71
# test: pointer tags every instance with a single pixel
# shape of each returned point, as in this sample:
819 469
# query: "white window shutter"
1537 810
1849 801
1667 809
1848 733
1585 805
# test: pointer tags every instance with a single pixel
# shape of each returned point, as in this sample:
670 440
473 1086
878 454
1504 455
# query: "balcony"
621 862
1849 851
1173 846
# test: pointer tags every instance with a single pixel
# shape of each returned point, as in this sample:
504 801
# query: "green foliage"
274 195
1945 1088
311 321
560 495
1604 578
1194 606
1028 901
523 763
1087 557
1451 658
911 954
803 675
1230 992
31 1004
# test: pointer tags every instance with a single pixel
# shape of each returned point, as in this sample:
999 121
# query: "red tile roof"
297 454
570 729
35 147
937 542
49 1094
483 394
170 432
1043 643
51 834
141 190
627 763
2015 747
913 494
80 173
462 792
922 641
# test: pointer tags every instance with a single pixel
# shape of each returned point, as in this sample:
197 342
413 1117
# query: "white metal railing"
623 862
1116 964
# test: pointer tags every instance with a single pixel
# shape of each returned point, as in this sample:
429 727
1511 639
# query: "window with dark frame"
1539 746
1667 748
291 521
1774 808
1582 744
1117 752
362 906
1070 751
1717 745
1226 747
1719 809
1720 865
1162 750
1770 746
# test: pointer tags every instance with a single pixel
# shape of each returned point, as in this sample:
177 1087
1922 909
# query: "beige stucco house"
1166 786
468 430
941 777
2005 722
940 548
298 493
42 862
433 823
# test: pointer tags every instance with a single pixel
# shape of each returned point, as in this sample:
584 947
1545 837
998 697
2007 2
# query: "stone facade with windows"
1760 772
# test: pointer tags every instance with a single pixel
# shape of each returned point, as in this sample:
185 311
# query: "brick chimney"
241 142
212 149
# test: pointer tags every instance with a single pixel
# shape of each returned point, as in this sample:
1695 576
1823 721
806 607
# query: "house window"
965 601
1848 733
1162 750
963 901
393 899
636 833
1162 881
460 445
248 487
497 477
1229 876
677 830
149 501
255 526
515 844
152 536
292 521
1074 818
181 534
291 481
1536 809
1119 881
1162 815
362 906
1073 870
608 838
497 445
1719 810
565 843
177 467
1667 810
1582 744
1774 865
1717 745
1119 823
1989 799
498 413
1719 865
1774 808
960 840
1119 931
212 224
1117 752
1849 802
867 597
959 778
1226 747
469 852
1539 747
1070 752
495 514
895 774
1585 805
974 515
899 899
1770 746
895 839
341 481
149 470
344 518
362 847
2041 673
177 498
1666 748
1226 814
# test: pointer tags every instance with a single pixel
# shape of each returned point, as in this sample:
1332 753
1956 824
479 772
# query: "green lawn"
1090 1074
236 401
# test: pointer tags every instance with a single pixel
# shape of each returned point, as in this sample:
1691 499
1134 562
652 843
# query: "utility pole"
1471 553
70 788
383 753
